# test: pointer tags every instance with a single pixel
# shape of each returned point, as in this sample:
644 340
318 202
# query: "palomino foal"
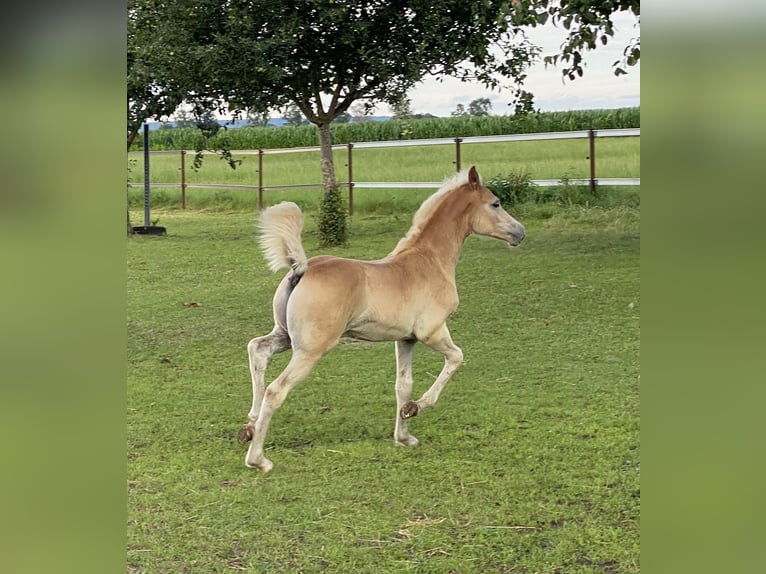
405 297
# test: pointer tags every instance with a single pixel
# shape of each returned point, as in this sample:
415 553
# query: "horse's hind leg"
404 351
297 369
259 351
453 357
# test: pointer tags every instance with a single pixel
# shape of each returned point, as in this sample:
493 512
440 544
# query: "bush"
332 218
570 194
516 187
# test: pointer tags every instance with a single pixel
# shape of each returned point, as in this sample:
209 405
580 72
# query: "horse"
405 297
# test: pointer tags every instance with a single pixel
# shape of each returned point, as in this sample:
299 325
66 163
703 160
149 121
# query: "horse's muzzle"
514 238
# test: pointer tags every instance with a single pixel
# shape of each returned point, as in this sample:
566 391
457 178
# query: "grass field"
549 159
528 463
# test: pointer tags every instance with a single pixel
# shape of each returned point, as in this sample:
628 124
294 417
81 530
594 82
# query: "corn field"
246 138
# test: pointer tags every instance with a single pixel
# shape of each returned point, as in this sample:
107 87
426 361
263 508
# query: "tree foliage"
459 111
293 116
402 108
480 107
588 23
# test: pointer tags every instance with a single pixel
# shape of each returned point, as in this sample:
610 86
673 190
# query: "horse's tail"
280 227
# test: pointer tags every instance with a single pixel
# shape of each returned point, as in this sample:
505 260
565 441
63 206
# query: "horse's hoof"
265 465
245 434
409 441
409 410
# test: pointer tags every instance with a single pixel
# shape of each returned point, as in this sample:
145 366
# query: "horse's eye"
496 204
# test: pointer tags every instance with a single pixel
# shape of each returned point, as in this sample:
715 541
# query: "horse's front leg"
440 341
404 352
259 351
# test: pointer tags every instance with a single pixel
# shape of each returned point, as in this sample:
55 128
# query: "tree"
159 78
459 111
167 53
323 55
162 70
342 118
480 107
257 119
360 111
293 116
402 108
524 103
184 119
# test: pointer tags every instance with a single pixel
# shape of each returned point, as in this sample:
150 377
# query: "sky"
598 88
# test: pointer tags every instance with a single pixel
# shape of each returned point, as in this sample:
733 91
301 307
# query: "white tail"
281 226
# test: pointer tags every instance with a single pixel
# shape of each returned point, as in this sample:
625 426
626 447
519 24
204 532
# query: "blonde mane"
428 207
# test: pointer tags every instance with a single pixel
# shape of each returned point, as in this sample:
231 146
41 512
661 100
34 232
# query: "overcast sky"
598 88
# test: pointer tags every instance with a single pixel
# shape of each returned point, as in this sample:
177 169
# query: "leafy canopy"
323 55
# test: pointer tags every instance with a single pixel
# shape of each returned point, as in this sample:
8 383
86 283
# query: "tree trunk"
326 160
332 213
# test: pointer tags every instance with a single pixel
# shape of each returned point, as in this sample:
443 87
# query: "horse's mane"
428 207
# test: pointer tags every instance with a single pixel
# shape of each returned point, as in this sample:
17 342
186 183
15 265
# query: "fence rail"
591 135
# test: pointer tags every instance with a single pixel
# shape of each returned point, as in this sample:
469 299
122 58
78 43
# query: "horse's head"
487 215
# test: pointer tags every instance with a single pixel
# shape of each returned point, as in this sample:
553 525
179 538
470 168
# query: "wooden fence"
592 181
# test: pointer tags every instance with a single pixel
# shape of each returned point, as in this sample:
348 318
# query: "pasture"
528 463
549 159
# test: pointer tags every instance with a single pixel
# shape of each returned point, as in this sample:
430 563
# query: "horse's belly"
374 331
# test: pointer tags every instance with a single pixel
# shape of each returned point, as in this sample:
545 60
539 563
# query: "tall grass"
247 138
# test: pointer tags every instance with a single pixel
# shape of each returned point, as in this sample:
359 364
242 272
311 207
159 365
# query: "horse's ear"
473 176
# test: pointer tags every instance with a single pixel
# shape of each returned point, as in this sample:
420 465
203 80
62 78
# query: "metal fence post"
457 153
592 142
147 223
183 179
350 180
260 179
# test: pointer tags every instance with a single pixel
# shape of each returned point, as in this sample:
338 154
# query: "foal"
405 297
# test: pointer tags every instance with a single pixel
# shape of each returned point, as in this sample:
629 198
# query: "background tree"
161 71
459 111
360 112
524 103
342 118
257 119
480 107
184 119
293 116
402 108
168 51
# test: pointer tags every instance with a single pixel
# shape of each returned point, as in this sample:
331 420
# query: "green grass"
551 159
529 462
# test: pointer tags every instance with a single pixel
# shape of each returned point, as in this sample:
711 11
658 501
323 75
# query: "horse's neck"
439 244
439 238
